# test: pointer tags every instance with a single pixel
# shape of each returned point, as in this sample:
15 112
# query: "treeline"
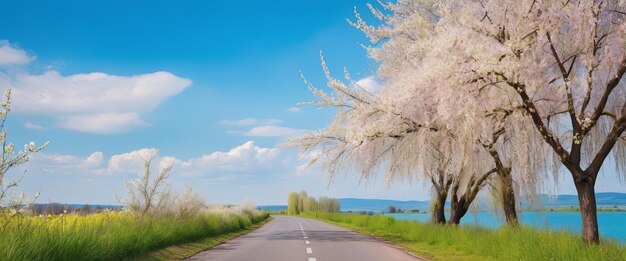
300 202
58 208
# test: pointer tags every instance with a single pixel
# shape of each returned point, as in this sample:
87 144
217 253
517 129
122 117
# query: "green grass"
474 243
182 251
110 236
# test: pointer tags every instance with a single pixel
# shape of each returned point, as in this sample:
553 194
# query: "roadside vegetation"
114 235
463 242
154 217
300 202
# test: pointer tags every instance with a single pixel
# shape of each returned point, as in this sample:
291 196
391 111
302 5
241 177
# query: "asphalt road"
288 238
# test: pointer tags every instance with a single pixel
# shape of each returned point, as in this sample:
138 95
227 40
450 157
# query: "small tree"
392 209
11 204
329 205
302 196
149 194
310 204
292 204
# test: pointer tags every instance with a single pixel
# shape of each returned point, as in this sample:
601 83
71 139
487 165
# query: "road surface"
287 238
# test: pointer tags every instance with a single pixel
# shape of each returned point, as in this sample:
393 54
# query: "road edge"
381 239
187 250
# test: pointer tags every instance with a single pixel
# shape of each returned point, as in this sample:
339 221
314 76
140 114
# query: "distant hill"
361 204
272 207
603 198
377 205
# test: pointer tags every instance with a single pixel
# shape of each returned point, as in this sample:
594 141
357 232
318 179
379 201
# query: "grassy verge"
474 243
182 251
111 236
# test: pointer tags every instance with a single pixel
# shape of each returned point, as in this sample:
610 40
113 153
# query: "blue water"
612 224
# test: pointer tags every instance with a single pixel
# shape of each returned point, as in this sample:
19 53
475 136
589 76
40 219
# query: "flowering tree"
561 63
11 204
384 130
417 69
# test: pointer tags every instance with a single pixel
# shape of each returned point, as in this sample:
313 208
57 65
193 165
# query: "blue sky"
210 85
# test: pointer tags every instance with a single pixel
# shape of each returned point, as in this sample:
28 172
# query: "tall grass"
112 235
475 243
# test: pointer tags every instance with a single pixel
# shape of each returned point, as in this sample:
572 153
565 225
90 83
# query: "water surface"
612 224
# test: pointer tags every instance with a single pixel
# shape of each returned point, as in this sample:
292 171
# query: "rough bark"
438 209
441 184
507 197
588 211
506 189
460 205
457 211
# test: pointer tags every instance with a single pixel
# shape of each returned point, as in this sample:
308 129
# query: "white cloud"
66 164
33 126
271 131
131 161
250 122
244 158
94 93
294 109
103 123
91 102
94 160
370 84
12 55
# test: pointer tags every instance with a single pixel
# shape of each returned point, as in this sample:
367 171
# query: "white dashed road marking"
308 249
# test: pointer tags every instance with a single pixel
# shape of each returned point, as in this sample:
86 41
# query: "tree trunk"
456 213
507 194
460 205
458 208
438 209
588 211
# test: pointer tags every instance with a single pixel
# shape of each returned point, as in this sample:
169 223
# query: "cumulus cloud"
33 126
250 122
93 177
131 161
90 102
94 160
370 84
245 158
12 55
271 131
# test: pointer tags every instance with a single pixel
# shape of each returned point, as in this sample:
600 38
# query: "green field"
438 242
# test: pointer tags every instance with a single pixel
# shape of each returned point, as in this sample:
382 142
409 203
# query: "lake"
612 224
